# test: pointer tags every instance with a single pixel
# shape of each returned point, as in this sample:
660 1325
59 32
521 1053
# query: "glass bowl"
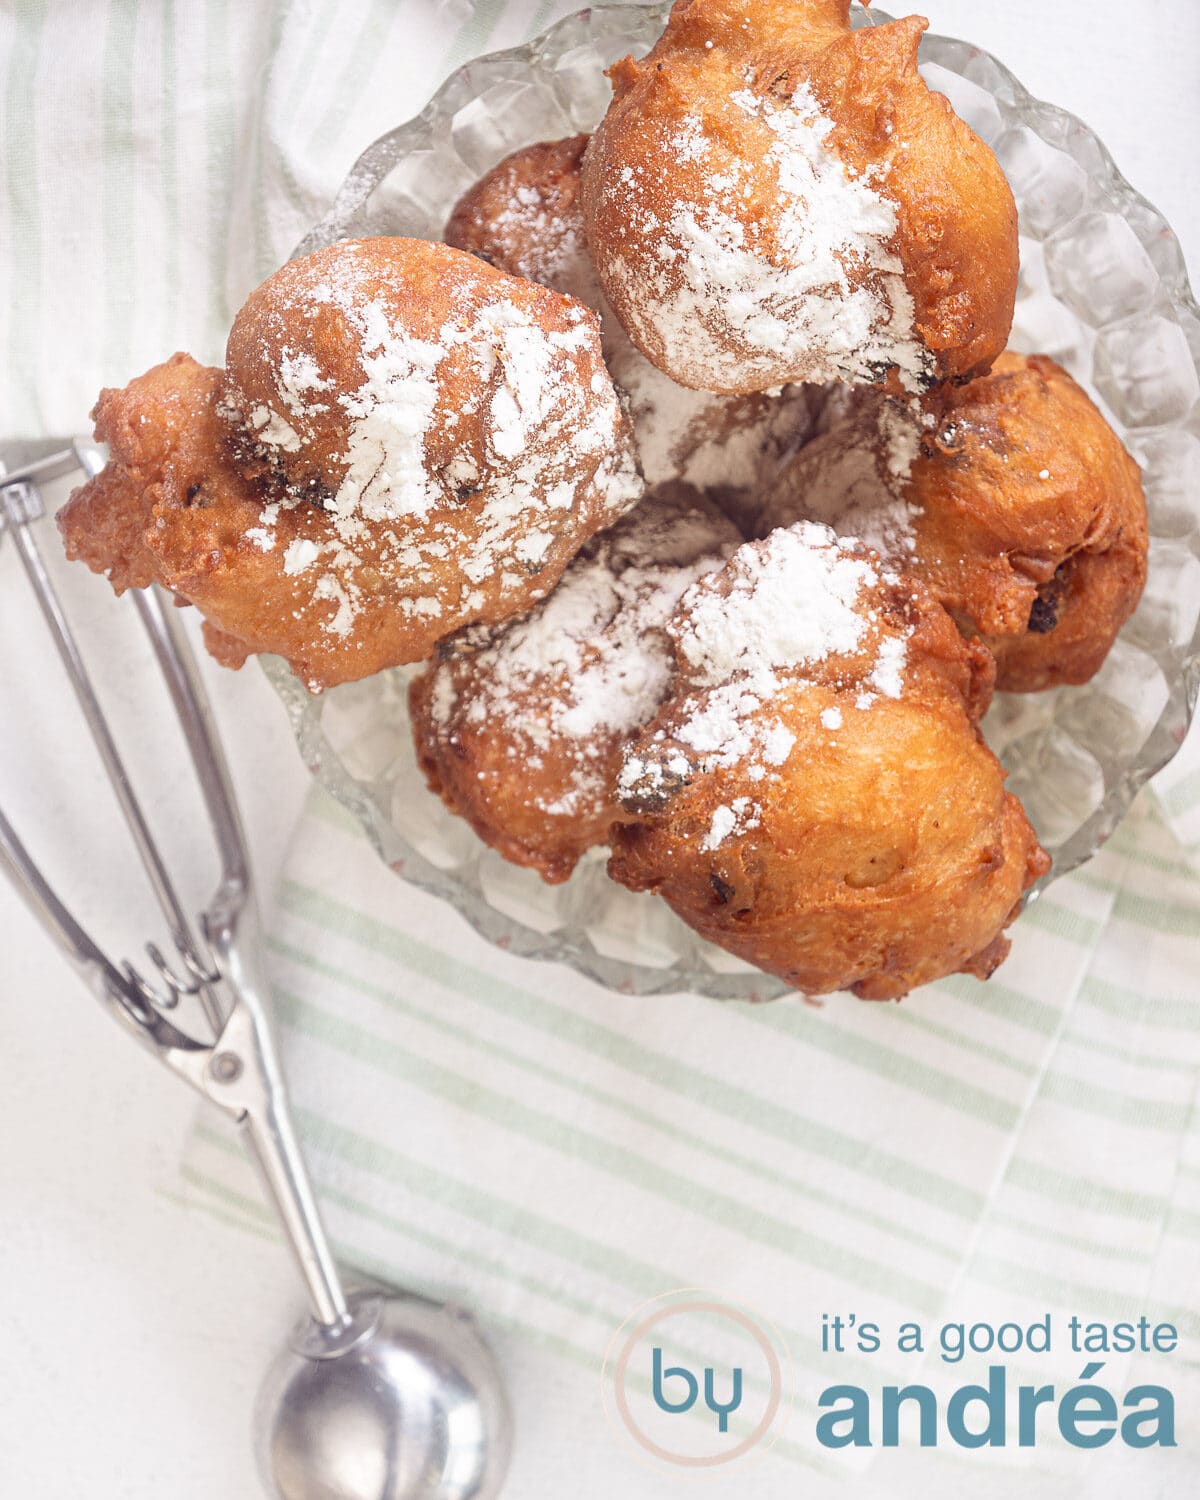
1103 290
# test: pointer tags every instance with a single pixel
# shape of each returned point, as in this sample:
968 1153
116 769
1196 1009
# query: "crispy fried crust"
886 860
885 853
956 224
1028 514
289 499
526 217
172 506
1068 553
520 729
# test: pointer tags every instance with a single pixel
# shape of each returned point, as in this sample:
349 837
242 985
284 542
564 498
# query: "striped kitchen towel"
508 1134
161 157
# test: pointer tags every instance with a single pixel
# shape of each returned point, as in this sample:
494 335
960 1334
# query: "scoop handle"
245 1078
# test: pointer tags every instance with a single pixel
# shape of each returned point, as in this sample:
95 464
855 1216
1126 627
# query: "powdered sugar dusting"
730 444
791 604
589 665
300 556
545 242
299 377
271 429
738 817
390 417
552 447
854 475
822 297
777 612
887 675
720 443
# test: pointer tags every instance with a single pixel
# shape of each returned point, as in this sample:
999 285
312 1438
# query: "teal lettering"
674 1372
1162 1434
855 1415
1028 1401
992 1397
925 1399
1104 1410
735 1398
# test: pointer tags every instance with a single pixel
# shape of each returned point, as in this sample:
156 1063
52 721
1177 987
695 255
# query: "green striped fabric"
509 1134
160 157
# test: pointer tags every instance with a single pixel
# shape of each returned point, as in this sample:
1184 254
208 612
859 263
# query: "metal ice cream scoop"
379 1395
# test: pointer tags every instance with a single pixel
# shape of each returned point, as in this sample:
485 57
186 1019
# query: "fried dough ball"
815 796
1010 497
774 197
520 727
525 216
405 441
172 507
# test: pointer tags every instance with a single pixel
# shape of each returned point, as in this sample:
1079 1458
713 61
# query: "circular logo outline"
704 1301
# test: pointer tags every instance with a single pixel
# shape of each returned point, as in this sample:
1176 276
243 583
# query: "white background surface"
133 1333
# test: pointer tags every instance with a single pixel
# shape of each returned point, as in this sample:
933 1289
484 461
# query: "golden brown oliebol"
774 197
404 441
1010 497
814 795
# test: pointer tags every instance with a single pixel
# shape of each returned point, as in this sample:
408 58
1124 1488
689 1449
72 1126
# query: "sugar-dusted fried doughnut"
815 796
406 441
774 197
520 727
525 216
1010 497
